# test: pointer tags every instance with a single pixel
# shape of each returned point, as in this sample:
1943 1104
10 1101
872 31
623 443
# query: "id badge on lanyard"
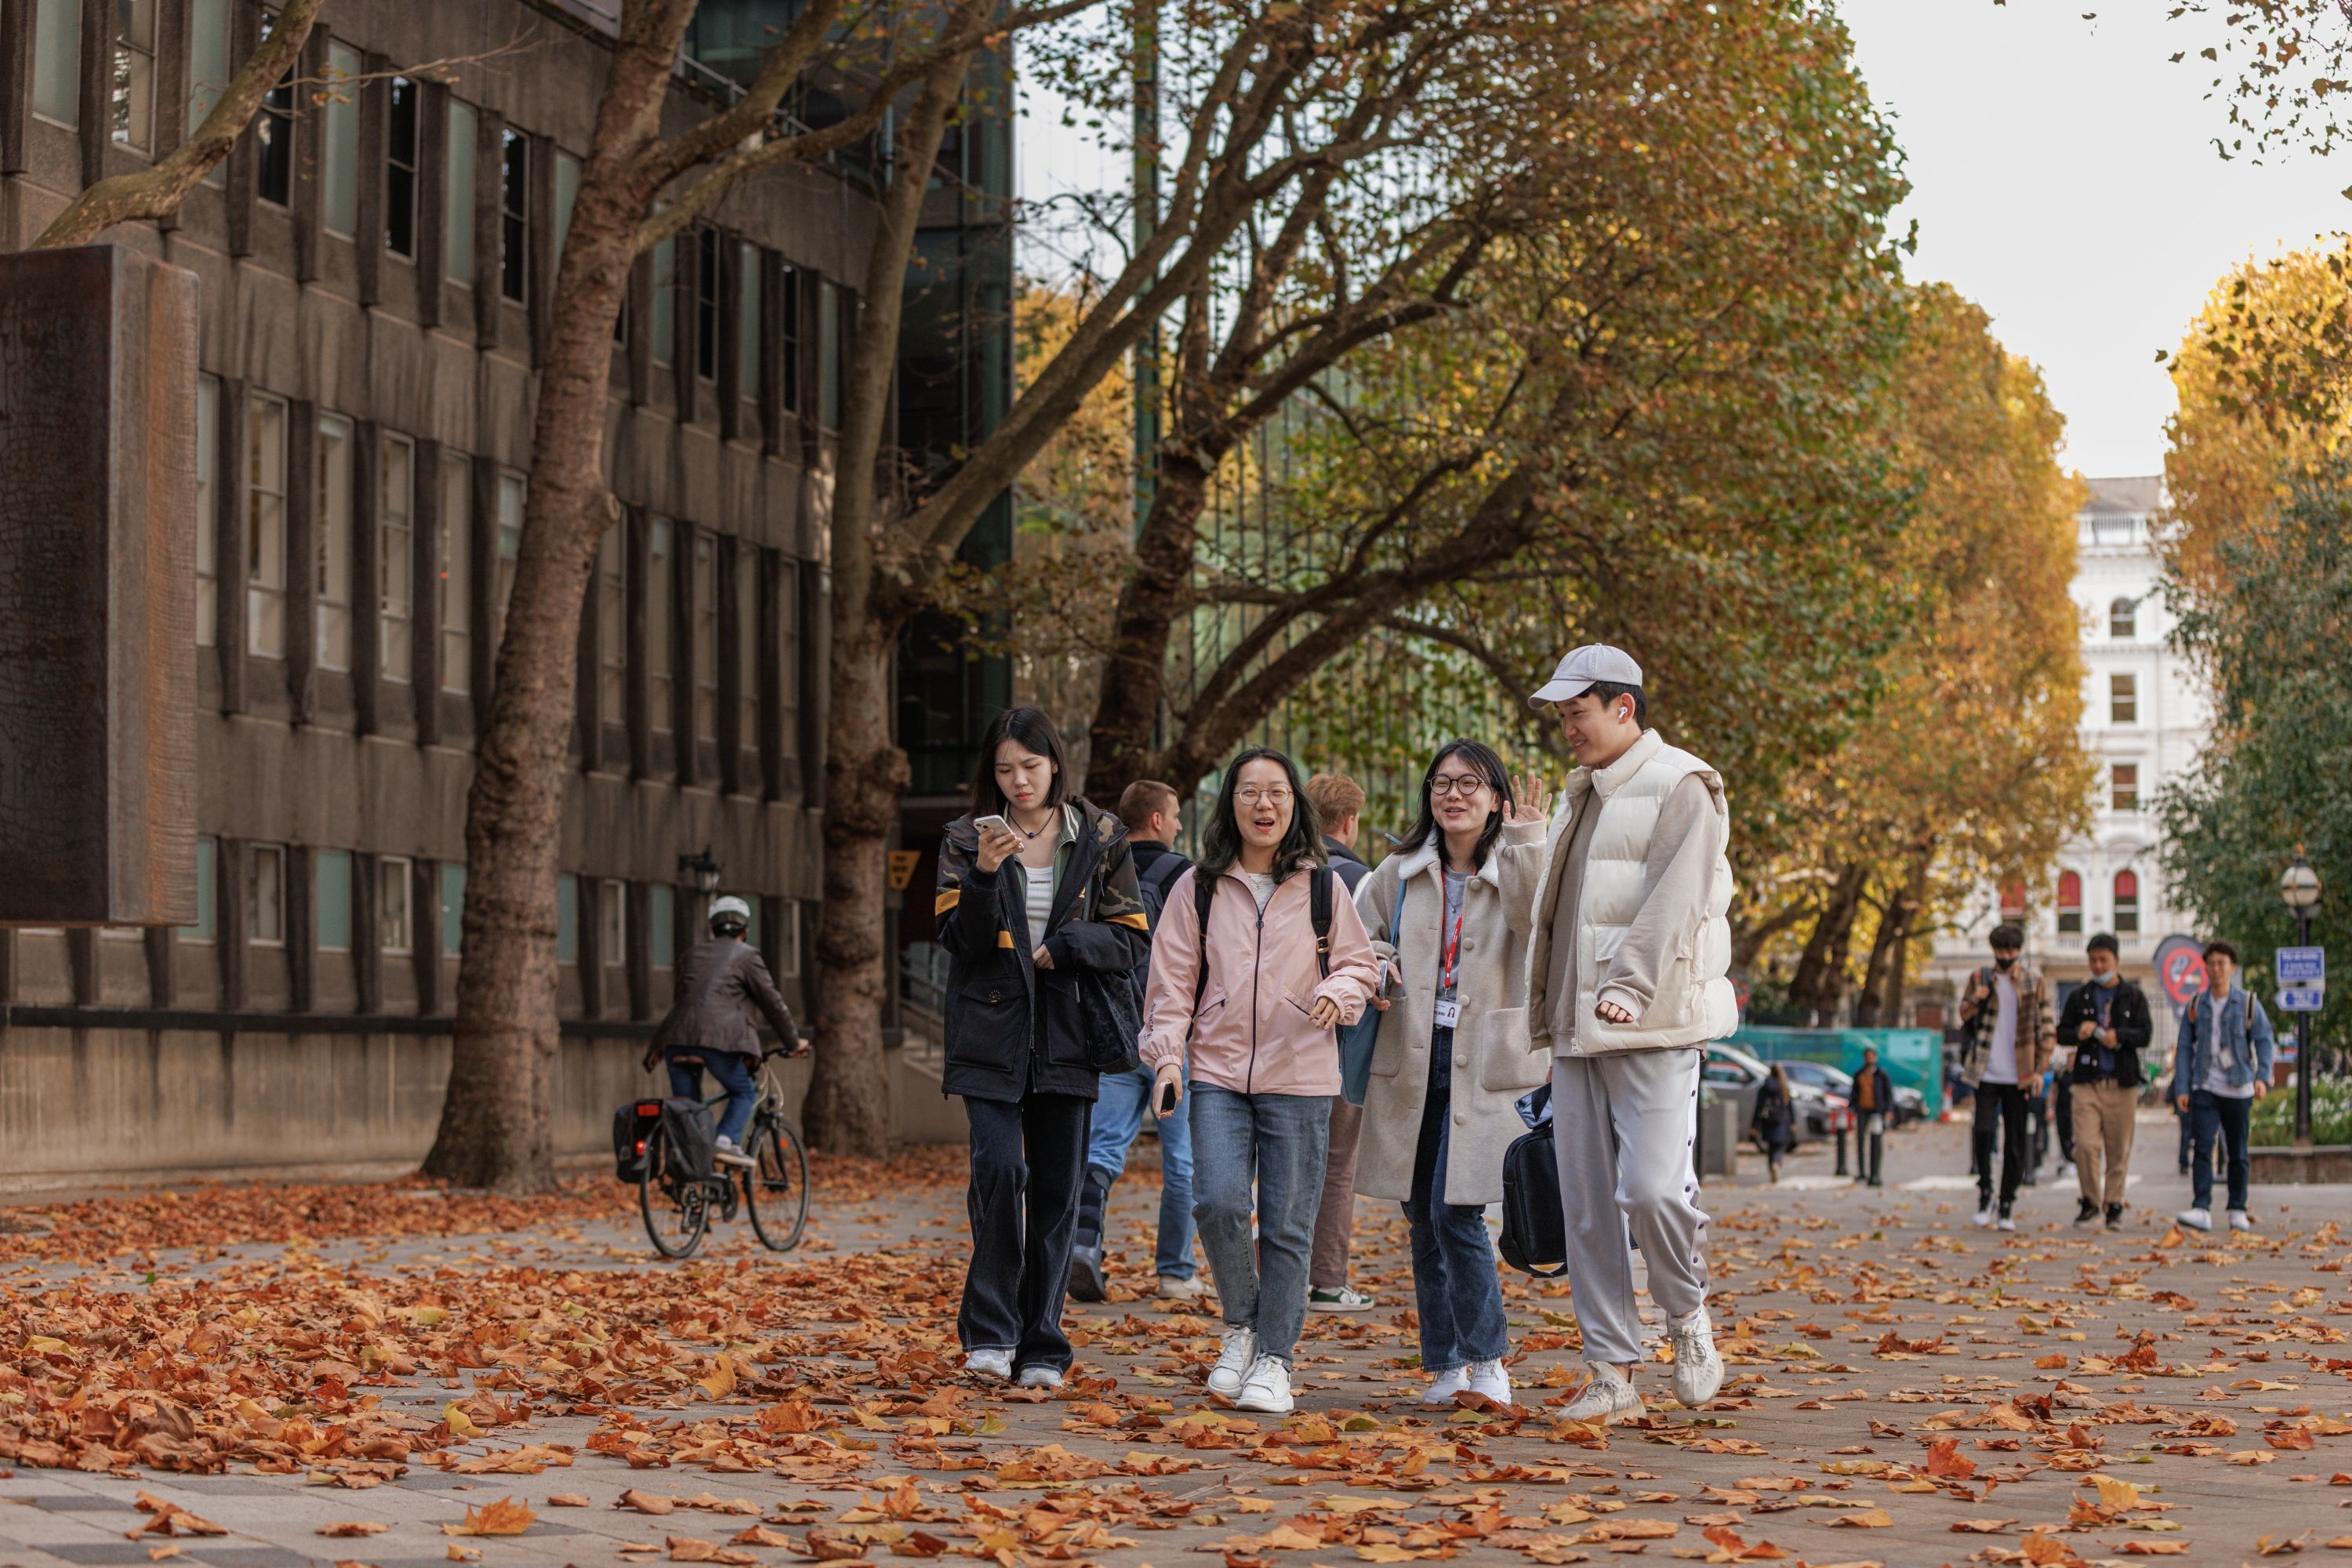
1449 1013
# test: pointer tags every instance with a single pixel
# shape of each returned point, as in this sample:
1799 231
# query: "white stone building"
2145 718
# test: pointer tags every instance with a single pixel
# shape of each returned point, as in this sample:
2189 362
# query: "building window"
334 566
2124 796
2070 903
514 215
207 497
706 636
662 914
2012 899
395 556
458 197
273 136
706 303
456 575
265 895
828 355
747 319
612 627
2123 619
788 938
612 923
2123 698
56 60
339 193
664 325
2126 901
788 341
453 907
333 883
567 193
400 169
567 919
134 73
394 933
660 568
265 530
511 494
207 891
207 58
748 558
788 656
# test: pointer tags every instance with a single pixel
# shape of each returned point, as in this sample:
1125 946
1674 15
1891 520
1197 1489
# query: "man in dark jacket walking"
1874 1108
2106 1024
722 986
1339 803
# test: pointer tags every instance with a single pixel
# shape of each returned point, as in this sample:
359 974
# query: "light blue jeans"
1277 1142
1121 1112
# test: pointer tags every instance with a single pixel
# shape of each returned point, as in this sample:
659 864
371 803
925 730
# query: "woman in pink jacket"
1239 971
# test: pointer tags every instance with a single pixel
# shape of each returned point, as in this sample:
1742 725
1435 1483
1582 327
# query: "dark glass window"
273 142
514 221
400 170
788 341
705 306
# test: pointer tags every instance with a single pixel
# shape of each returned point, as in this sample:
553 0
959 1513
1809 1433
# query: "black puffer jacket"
2126 1015
1013 1028
719 983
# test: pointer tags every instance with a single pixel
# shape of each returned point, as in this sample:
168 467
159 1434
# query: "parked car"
1910 1105
1736 1076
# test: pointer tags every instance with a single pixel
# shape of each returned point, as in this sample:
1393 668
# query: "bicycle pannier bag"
690 1139
632 1124
1535 1233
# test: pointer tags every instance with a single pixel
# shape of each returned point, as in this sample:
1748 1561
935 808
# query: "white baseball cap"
1584 666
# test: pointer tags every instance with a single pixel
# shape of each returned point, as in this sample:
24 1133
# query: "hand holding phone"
998 842
1168 1090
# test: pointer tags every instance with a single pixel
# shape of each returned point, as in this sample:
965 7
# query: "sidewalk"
1895 1374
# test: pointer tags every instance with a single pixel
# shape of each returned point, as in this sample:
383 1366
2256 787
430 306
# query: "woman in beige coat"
1453 1054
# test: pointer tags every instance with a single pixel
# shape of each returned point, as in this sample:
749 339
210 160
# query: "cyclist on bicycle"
722 986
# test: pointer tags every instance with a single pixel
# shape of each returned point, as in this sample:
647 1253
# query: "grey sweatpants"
1624 1128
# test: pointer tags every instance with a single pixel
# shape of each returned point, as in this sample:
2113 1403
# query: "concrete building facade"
376 260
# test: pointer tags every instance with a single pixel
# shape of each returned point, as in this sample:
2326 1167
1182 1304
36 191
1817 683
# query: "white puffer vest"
1696 1002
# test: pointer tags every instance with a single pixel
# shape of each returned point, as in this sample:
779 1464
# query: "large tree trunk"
1908 905
1127 714
1819 978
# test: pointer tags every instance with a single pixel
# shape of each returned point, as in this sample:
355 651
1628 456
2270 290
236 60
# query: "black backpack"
1318 913
1535 1233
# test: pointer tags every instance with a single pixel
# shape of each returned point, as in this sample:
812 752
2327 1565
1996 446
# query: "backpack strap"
1319 910
1204 898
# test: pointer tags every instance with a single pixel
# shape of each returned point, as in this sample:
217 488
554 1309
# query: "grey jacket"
719 983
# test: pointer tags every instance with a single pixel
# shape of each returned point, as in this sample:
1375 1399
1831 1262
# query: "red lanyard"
1446 961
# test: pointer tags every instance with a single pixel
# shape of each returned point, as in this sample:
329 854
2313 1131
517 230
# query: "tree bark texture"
1819 978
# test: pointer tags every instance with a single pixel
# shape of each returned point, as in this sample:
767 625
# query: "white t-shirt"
1037 897
2002 1067
1262 884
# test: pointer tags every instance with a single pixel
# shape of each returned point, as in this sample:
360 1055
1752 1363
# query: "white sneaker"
2196 1219
996 1364
1609 1397
1445 1385
1040 1377
1490 1378
1984 1218
1346 1299
1698 1369
723 1150
1174 1290
2005 1222
1268 1389
2241 1220
1234 1362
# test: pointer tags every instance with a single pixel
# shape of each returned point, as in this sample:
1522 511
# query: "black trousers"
1028 1161
2001 1108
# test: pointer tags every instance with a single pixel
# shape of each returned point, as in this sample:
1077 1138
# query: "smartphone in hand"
1167 1099
992 822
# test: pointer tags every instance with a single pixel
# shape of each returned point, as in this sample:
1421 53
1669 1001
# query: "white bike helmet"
729 910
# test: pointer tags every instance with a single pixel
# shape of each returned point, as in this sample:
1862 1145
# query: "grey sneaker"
1343 1299
1698 1369
1609 1397
724 1151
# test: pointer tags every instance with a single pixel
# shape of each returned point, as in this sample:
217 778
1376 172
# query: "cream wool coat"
1494 1061
1694 1001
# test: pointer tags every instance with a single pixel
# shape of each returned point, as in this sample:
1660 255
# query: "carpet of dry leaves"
1901 1389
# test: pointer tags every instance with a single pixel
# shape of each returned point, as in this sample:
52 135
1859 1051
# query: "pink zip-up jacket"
1252 1035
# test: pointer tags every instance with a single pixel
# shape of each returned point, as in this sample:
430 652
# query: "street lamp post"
2299 888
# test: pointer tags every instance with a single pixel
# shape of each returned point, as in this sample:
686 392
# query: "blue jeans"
1121 1112
1455 1287
733 1072
2214 1115
1278 1141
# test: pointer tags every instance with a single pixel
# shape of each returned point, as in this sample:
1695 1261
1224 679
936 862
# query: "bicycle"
773 1191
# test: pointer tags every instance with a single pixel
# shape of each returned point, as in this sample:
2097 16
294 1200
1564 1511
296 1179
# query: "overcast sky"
2063 176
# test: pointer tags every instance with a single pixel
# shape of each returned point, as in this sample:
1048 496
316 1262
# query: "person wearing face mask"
2106 1024
2221 1068
2008 1029
1241 976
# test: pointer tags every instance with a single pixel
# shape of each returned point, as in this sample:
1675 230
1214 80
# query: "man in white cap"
1628 978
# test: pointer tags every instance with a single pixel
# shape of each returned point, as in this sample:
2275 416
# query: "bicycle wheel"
676 1213
775 1191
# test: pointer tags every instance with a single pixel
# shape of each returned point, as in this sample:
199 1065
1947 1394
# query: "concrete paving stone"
78 1503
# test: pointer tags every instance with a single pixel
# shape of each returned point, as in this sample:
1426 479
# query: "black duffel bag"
1534 1234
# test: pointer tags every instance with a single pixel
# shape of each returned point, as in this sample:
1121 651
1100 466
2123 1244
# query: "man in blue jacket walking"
2221 1068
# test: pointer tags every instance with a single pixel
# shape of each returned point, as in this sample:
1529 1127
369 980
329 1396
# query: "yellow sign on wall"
902 868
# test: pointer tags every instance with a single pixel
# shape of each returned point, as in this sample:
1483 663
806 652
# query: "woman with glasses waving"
1450 910
1256 959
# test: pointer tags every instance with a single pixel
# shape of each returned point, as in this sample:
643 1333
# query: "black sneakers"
2115 1216
2086 1211
1087 1273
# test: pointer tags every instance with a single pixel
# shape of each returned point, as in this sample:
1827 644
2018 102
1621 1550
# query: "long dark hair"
1032 729
1220 839
1488 766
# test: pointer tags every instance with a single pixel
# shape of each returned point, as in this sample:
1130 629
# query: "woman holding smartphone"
1450 910
1036 900
1240 974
